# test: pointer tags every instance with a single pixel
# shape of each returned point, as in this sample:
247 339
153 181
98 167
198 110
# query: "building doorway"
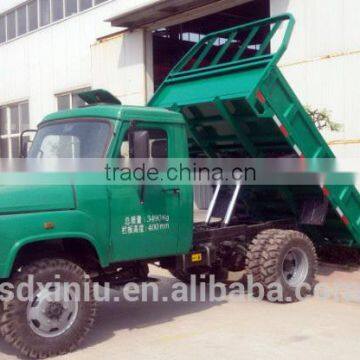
171 43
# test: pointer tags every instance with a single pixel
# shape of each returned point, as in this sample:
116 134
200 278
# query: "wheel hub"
295 267
52 313
54 310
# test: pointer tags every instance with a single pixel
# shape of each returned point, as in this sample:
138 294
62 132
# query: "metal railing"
230 48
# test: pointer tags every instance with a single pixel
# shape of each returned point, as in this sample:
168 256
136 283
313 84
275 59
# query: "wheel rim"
53 311
295 267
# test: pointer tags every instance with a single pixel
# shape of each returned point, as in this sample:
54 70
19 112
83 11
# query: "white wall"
323 62
57 58
118 65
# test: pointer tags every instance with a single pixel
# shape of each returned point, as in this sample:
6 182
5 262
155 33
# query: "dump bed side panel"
302 134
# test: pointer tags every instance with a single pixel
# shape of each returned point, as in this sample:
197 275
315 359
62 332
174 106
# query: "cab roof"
119 112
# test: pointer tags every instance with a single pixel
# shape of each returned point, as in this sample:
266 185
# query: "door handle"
173 190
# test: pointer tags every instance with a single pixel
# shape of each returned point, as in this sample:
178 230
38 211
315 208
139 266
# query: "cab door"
144 220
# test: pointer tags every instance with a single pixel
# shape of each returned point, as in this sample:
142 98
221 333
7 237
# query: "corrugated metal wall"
322 63
118 65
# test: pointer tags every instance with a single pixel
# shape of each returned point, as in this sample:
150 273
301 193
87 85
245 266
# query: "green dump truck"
112 232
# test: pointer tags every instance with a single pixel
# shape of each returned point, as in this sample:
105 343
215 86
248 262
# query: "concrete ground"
312 329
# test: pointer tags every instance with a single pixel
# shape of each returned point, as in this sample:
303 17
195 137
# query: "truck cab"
136 220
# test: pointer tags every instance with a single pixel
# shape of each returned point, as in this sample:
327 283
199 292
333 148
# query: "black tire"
282 249
202 275
254 252
16 327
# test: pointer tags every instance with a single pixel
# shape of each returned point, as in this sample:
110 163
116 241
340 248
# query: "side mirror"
139 144
26 139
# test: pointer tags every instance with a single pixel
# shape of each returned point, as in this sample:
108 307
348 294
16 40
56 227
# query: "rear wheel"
288 260
54 320
254 252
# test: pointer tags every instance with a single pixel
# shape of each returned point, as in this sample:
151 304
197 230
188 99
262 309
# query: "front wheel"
58 313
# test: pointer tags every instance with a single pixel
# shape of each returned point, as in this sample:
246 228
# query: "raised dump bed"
237 103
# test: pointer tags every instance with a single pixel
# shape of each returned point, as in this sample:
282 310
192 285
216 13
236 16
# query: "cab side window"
157 143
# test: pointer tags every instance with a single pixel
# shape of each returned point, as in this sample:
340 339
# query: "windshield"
73 138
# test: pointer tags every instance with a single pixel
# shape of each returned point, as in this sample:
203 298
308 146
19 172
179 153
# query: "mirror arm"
142 193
